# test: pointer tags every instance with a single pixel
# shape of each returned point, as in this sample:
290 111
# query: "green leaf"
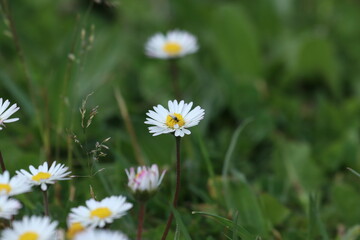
180 225
274 211
235 41
242 232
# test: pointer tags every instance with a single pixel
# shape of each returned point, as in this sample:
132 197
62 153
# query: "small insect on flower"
174 44
31 228
8 207
175 119
4 115
99 213
93 234
145 181
14 186
45 175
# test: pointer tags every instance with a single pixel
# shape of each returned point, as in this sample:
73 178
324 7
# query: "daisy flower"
8 207
175 119
74 228
45 175
31 228
145 181
4 115
174 44
93 234
99 213
14 186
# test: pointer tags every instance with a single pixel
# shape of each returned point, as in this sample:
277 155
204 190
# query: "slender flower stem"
46 203
2 163
174 74
176 196
141 220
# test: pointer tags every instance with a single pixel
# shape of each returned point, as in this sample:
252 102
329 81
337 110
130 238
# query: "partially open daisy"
15 185
93 234
45 175
4 115
175 119
99 213
31 228
174 44
8 207
144 181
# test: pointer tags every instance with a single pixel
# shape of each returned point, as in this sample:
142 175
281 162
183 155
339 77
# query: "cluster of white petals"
8 207
5 114
145 178
13 186
174 44
44 175
93 234
34 227
177 118
100 213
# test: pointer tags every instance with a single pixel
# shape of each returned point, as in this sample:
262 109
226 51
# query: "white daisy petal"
146 179
174 44
98 213
8 207
5 114
14 186
43 175
176 119
31 228
93 234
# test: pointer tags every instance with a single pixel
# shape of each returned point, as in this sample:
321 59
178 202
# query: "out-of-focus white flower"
4 115
93 234
8 207
146 180
45 175
15 185
99 213
74 229
178 118
31 228
174 44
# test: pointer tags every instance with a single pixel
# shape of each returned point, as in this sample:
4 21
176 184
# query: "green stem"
177 191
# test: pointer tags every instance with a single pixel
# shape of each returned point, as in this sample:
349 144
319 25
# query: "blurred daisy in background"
74 229
4 115
45 175
174 44
93 234
176 119
145 181
13 186
8 207
99 213
31 228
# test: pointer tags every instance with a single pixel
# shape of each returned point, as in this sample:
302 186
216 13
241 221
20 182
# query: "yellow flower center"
5 187
102 212
74 229
41 176
29 236
172 48
173 119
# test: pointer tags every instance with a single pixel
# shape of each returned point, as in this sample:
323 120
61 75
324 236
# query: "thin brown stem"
141 220
2 163
177 191
174 74
46 203
129 126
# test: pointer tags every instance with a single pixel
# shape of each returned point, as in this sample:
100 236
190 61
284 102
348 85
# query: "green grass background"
279 81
